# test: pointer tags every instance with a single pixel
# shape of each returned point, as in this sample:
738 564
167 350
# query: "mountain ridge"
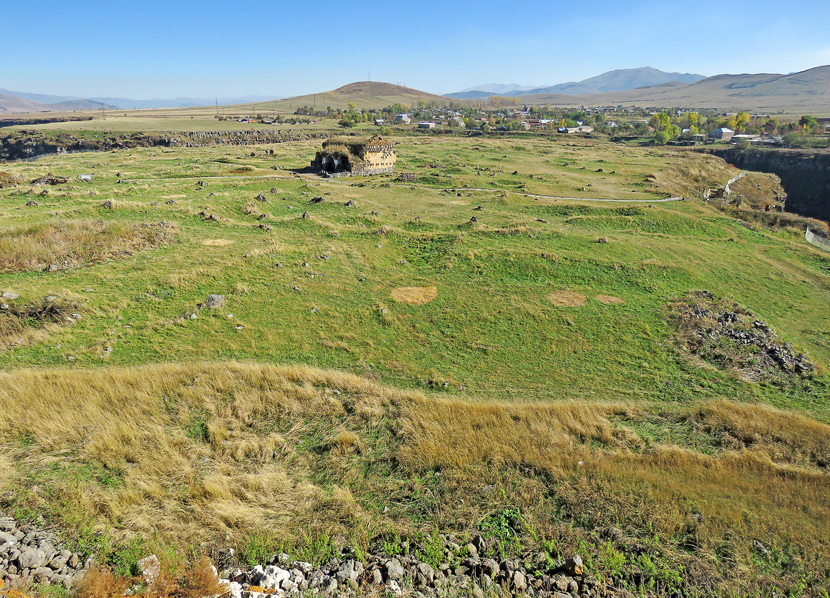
610 81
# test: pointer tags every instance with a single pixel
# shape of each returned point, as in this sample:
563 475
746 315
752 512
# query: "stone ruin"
344 156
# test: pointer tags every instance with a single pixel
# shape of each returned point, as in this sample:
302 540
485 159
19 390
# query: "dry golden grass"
7 179
217 242
70 244
609 299
567 299
693 175
213 452
192 441
415 295
781 436
21 324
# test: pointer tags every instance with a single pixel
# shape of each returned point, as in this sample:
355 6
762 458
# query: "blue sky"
151 48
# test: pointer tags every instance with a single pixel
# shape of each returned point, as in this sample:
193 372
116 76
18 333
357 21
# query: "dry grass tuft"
567 299
70 244
7 179
217 242
415 295
784 437
100 582
610 299
19 322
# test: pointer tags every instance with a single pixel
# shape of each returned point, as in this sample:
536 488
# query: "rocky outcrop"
29 555
804 174
27 144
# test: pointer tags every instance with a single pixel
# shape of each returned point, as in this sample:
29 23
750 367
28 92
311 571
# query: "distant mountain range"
805 92
618 80
21 101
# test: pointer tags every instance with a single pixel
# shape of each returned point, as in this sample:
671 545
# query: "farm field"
514 316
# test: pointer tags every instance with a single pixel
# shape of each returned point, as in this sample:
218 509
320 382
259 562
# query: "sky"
163 49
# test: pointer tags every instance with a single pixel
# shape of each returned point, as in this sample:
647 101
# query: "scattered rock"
107 204
49 179
214 301
150 568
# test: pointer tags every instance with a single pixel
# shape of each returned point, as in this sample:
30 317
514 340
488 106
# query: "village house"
344 156
723 134
583 129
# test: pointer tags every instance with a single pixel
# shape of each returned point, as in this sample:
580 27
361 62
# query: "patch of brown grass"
692 175
609 299
781 436
567 299
7 179
100 582
18 321
415 295
217 242
71 244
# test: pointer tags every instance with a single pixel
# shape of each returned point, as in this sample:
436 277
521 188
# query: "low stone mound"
567 299
415 295
49 179
729 336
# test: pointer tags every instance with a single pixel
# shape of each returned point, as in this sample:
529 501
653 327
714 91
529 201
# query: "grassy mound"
70 244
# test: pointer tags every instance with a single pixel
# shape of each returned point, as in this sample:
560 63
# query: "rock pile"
468 570
731 336
30 555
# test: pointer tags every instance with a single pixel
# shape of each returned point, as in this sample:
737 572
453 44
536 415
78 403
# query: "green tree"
808 123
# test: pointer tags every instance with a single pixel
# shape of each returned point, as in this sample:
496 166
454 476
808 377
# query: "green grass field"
541 304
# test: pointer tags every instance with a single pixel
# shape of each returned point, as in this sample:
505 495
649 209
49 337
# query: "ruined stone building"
343 156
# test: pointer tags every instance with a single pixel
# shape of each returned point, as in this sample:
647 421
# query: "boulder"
394 569
31 558
214 301
150 568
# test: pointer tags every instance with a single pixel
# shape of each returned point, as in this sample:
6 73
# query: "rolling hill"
800 92
363 94
15 104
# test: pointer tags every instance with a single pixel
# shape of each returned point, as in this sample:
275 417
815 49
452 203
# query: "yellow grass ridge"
204 450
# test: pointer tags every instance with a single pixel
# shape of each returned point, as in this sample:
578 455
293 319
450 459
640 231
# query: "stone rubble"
29 555
467 570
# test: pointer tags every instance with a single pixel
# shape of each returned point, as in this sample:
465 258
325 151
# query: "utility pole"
103 116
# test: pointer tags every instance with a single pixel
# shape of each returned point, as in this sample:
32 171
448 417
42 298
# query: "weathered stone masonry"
345 156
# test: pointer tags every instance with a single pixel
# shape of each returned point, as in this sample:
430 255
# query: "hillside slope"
524 340
363 94
804 91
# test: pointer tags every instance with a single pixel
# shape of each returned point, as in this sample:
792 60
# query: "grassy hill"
363 94
440 354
